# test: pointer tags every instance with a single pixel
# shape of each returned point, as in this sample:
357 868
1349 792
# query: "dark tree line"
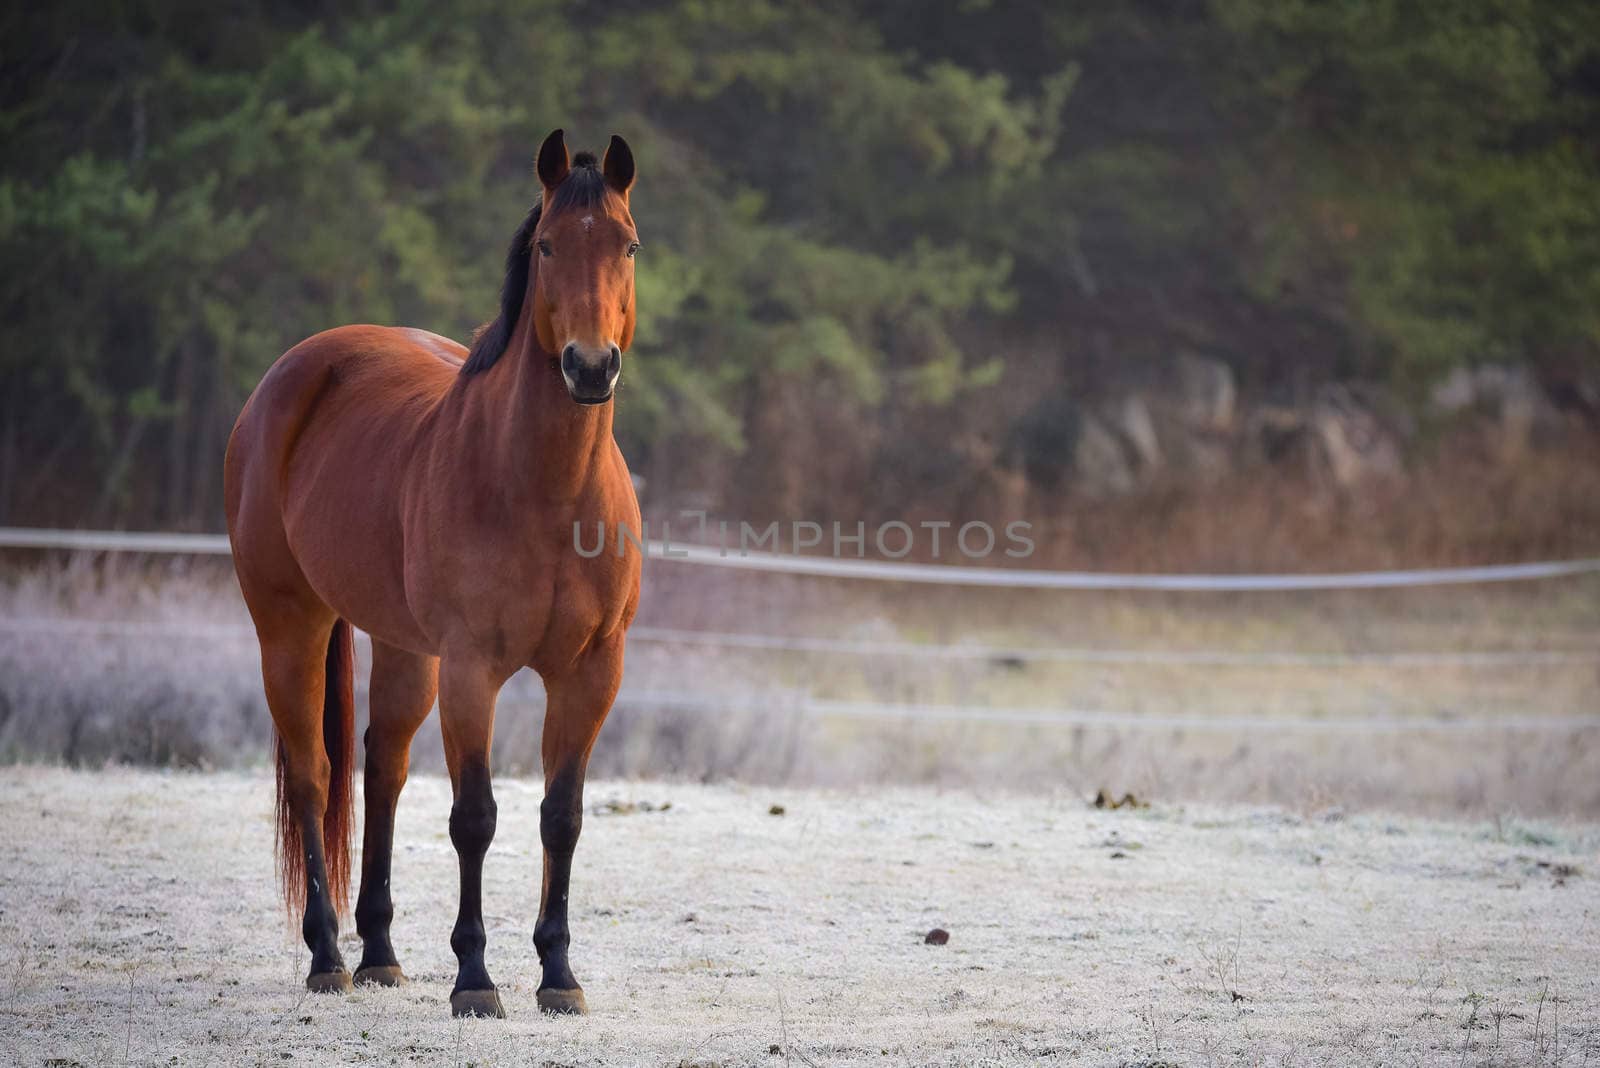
869 228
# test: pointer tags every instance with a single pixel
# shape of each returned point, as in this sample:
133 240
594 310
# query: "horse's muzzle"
591 377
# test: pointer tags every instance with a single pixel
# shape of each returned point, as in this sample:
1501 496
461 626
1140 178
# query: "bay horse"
390 479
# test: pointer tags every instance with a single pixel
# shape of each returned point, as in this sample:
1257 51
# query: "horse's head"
583 246
570 267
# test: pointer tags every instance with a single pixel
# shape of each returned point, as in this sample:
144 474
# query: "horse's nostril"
614 365
569 359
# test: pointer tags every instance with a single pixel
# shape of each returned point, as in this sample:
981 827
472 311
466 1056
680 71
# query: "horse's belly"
353 576
345 532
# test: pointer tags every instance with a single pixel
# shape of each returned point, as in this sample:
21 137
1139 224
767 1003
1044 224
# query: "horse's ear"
553 163
618 165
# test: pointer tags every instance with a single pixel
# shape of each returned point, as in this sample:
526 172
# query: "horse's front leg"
577 703
467 691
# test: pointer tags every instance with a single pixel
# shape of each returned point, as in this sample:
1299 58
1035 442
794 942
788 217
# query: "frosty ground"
139 924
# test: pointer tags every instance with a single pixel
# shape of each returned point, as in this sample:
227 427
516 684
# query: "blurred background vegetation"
1237 282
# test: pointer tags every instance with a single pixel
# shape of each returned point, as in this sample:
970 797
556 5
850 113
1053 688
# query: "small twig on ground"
1149 1015
783 1029
18 972
783 1035
1538 1021
1474 1000
1555 1006
1222 963
127 1039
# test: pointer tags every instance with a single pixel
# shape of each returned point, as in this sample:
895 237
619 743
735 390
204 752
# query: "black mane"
584 187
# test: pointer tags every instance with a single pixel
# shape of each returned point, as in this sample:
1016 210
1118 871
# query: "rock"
1134 422
776 810
1279 433
1099 464
617 807
1578 393
1517 406
1205 393
1457 391
936 937
1186 423
1344 437
1354 444
1128 800
1490 387
1205 458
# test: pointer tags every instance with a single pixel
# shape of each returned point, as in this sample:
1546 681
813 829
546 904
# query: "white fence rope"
1012 578
937 574
115 541
907 650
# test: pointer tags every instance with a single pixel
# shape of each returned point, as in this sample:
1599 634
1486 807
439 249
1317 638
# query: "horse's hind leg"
404 685
293 668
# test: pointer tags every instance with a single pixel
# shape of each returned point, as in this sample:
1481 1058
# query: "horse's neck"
527 431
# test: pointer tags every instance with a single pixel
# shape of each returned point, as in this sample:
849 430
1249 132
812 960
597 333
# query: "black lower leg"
319 925
375 905
472 821
560 822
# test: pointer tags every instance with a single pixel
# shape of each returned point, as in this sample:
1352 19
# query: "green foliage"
1444 162
871 202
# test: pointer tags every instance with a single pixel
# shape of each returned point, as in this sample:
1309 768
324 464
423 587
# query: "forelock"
584 186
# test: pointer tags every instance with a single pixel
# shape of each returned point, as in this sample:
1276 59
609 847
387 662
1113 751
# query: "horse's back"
373 373
318 455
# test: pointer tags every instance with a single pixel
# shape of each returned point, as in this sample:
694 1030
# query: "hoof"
563 1002
477 1003
380 975
329 982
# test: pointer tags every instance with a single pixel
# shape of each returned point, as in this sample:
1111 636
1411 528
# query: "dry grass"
194 700
139 926
1462 503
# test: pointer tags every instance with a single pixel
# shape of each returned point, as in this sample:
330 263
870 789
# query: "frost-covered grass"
189 695
139 925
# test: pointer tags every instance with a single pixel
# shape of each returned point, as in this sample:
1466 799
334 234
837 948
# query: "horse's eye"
633 246
543 247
